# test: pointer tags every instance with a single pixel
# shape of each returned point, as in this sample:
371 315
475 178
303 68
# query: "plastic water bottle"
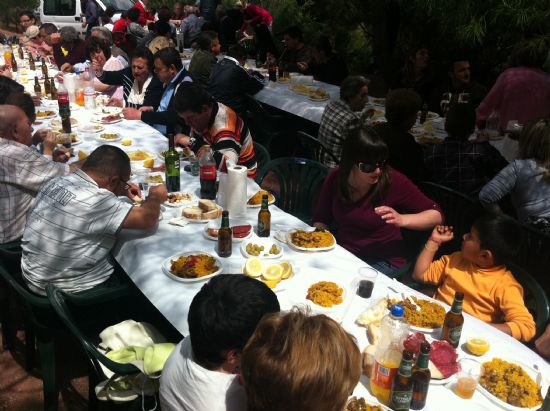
89 98
393 332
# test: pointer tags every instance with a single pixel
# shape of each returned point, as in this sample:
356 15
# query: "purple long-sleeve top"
362 231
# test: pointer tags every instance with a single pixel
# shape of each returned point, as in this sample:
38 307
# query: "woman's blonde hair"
298 362
534 142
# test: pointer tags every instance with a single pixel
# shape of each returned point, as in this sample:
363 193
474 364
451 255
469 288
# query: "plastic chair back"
534 255
262 157
300 181
263 126
314 149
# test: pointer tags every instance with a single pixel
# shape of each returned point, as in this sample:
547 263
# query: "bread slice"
210 215
194 212
207 205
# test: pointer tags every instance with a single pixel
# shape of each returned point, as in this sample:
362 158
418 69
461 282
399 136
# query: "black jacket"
229 82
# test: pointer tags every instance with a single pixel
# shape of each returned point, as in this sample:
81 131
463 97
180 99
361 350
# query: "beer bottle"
20 51
402 385
13 63
452 326
172 166
424 113
53 89
37 87
421 376
225 236
44 67
47 86
32 66
264 218
546 404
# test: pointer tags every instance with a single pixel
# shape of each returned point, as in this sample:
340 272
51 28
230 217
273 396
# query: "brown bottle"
53 89
264 218
20 51
452 326
32 66
225 237
47 86
402 384
37 87
421 377
44 68
13 63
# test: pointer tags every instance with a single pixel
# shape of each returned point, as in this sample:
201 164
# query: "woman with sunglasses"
369 202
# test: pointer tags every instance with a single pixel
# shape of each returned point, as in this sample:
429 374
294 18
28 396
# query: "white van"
67 12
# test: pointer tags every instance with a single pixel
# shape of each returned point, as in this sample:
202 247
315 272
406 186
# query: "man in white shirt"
75 222
201 372
23 170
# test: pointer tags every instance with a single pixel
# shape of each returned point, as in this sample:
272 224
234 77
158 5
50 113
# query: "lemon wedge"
287 269
126 142
271 283
253 267
477 346
149 163
82 155
273 272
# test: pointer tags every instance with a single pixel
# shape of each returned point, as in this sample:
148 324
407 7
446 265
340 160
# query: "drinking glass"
445 101
467 378
367 279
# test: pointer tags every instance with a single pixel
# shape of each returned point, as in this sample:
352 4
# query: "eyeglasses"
124 184
371 168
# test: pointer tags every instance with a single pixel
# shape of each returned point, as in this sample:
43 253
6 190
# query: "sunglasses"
371 168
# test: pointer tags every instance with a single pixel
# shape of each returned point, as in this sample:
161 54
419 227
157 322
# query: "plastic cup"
467 378
366 280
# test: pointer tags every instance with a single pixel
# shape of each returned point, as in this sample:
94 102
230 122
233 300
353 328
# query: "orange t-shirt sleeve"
510 300
436 271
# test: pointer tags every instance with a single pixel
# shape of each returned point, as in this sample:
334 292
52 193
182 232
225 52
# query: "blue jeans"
383 266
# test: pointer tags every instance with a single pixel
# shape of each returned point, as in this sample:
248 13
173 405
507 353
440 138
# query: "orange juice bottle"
393 331
79 97
7 56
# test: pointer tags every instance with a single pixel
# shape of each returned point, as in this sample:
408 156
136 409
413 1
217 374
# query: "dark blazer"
125 78
229 82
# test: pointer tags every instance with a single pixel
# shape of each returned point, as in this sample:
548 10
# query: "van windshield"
119 5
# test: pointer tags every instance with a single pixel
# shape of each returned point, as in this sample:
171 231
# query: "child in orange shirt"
491 293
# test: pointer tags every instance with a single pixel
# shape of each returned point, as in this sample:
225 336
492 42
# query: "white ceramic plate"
319 98
531 372
267 243
269 202
73 143
421 297
45 109
91 128
292 245
167 263
98 119
109 140
57 123
107 111
369 402
202 220
217 223
179 203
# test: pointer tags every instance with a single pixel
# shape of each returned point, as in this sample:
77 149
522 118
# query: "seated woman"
526 179
141 86
98 51
298 362
369 202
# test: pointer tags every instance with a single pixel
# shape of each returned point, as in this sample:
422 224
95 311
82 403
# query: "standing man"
92 16
144 15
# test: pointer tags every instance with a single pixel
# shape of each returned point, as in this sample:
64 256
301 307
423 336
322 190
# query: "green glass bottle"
172 166
402 385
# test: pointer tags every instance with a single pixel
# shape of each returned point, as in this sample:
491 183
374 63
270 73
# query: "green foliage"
12 8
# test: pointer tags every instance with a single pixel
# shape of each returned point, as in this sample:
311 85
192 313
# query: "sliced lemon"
253 267
271 283
273 272
126 142
82 155
477 346
287 269
149 163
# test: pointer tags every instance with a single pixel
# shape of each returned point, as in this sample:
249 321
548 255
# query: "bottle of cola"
208 174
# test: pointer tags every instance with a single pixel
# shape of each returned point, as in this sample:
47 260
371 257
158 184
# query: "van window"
119 5
59 7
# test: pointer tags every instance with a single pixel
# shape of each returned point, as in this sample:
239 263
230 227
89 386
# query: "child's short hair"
224 314
500 235
461 120
294 361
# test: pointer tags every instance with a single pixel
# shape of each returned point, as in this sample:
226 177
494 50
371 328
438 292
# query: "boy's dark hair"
237 51
108 160
206 39
402 106
191 97
169 57
461 121
133 15
224 314
162 28
500 235
24 102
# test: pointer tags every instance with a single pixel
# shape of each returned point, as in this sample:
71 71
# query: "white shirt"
69 234
187 386
23 170
135 97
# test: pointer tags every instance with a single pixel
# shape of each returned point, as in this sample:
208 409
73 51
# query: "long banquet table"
141 254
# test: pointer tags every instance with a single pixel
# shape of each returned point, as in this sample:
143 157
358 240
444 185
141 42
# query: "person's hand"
181 139
97 67
442 234
5 71
482 136
39 135
146 108
302 66
115 102
542 344
49 143
66 68
133 191
61 154
158 193
59 76
389 215
131 113
37 100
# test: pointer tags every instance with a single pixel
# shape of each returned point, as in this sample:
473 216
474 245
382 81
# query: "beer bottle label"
401 400
457 306
208 172
454 335
261 226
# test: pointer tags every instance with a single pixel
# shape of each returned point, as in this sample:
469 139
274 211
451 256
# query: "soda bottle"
172 166
387 358
264 218
421 377
452 325
64 106
225 236
208 174
402 384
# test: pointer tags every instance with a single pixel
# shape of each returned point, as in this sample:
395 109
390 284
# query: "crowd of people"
241 349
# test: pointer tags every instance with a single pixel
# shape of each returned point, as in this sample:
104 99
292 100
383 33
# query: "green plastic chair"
262 157
312 148
300 181
10 257
534 255
264 127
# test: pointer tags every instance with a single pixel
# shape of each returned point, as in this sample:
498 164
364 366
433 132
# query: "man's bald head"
15 125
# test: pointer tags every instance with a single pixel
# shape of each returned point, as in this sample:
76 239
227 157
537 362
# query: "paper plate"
179 203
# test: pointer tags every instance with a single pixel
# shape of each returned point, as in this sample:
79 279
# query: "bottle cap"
397 310
225 213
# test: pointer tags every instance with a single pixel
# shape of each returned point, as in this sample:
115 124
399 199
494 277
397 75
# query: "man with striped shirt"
214 124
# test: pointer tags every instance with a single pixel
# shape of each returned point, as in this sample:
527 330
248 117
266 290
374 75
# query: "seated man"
491 293
216 125
163 37
75 222
229 81
191 26
340 115
297 55
35 44
70 50
406 155
170 71
23 170
49 33
459 163
294 361
204 59
200 374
